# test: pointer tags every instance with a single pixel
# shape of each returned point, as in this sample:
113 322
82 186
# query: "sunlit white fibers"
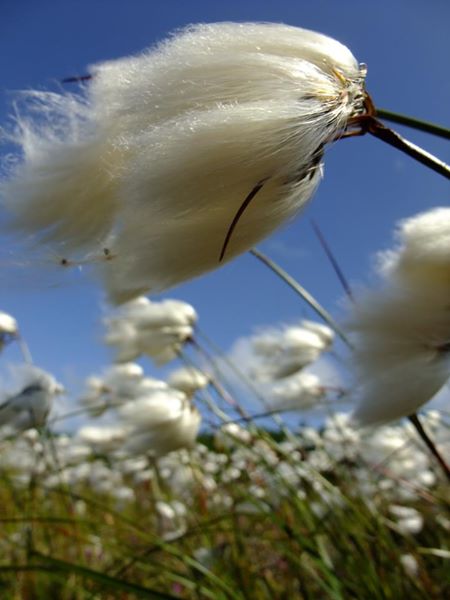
402 352
157 156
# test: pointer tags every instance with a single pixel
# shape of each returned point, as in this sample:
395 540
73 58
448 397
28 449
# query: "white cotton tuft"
188 380
423 254
402 349
323 331
8 324
154 160
161 422
30 406
93 396
281 352
408 519
302 391
156 329
102 438
9 329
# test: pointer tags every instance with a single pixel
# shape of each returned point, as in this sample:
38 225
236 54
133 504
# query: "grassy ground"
253 518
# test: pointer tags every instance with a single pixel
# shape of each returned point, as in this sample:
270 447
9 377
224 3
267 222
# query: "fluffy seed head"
422 256
9 329
31 405
8 324
279 353
156 158
402 352
156 329
188 380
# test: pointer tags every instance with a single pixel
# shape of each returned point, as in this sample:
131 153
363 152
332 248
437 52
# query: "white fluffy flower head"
282 352
9 329
156 329
165 148
30 406
402 352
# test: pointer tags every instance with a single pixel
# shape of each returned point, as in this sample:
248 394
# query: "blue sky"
367 186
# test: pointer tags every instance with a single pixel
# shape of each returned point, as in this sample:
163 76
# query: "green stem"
307 297
418 124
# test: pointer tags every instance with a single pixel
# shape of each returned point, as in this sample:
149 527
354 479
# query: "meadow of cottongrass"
280 511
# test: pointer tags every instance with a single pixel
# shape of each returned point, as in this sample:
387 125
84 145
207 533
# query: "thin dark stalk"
221 391
307 297
414 419
334 263
414 123
247 381
380 131
214 347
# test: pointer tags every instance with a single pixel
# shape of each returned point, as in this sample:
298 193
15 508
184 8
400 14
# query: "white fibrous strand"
153 160
402 348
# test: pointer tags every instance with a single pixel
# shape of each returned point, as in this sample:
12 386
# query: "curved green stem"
307 297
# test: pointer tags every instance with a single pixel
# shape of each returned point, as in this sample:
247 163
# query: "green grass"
312 535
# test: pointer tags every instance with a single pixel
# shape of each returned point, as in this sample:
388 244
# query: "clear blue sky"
367 187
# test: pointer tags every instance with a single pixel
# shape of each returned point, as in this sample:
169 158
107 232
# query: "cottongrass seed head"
9 329
156 157
30 405
402 350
